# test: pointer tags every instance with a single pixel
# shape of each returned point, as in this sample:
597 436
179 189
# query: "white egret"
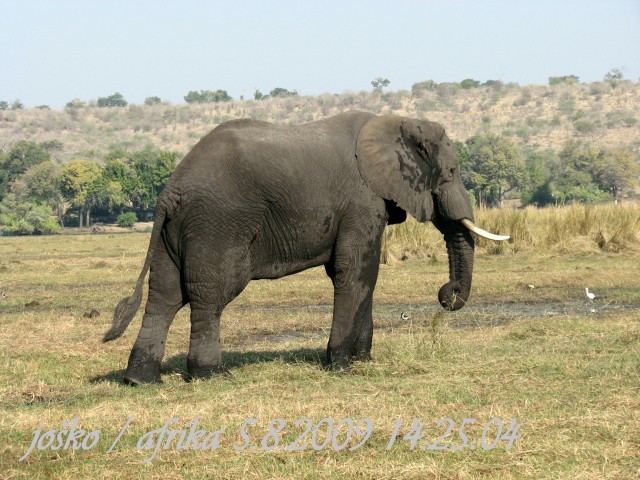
590 295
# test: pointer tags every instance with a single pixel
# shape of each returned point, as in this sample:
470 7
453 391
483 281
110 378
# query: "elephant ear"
397 159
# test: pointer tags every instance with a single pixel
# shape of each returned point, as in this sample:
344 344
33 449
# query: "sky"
53 51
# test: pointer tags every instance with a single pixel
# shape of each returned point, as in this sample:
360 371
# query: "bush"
207 96
540 196
568 80
583 194
427 85
469 83
127 220
26 218
115 100
523 99
152 101
282 92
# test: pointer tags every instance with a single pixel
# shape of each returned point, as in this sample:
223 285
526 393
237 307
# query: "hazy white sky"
52 51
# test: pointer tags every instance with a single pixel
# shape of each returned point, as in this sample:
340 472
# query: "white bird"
531 286
590 295
404 316
4 295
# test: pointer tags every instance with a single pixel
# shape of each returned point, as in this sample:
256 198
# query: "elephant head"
414 164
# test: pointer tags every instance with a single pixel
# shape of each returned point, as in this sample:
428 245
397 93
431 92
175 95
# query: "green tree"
76 184
614 77
469 83
142 174
75 103
42 181
52 146
221 96
495 166
20 157
194 97
567 79
41 184
115 100
207 96
152 101
537 184
379 83
20 216
573 174
426 86
282 92
615 171
107 195
580 172
119 168
153 168
495 84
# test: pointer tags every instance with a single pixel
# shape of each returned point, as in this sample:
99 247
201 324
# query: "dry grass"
564 229
610 228
540 355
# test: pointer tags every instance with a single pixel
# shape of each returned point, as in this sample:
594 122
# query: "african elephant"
254 200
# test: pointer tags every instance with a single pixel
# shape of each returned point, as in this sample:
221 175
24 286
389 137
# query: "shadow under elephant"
177 364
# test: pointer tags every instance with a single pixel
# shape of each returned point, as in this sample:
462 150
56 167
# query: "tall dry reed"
609 228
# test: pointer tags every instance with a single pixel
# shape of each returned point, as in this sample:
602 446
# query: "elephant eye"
452 170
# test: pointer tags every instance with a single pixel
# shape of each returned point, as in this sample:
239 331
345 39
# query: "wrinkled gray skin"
254 200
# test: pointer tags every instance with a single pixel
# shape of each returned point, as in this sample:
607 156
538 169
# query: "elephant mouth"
483 233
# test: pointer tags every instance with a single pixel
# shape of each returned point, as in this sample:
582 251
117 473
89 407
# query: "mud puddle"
389 317
495 314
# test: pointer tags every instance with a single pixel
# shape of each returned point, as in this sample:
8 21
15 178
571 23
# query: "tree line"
492 167
613 77
39 196
118 100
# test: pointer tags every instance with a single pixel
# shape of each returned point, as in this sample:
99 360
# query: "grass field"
566 369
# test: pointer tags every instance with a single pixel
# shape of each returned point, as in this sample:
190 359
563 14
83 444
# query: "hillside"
539 115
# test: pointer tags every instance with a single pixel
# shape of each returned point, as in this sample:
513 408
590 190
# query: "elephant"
255 200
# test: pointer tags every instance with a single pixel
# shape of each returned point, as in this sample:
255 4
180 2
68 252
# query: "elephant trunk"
460 246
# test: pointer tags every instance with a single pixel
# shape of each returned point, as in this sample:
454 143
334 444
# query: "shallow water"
387 317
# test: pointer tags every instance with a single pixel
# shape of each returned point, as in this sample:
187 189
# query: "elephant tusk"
483 233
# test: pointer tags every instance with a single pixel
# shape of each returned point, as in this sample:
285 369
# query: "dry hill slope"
539 115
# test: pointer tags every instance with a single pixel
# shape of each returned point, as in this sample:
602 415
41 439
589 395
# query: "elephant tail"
128 306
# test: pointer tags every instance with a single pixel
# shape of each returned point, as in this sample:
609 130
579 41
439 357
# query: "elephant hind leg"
211 283
205 352
166 297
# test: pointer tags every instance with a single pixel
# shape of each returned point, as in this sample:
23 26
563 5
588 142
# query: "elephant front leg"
354 273
205 353
361 350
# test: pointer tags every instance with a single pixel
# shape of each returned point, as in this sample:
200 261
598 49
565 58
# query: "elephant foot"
362 356
203 372
142 368
337 364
